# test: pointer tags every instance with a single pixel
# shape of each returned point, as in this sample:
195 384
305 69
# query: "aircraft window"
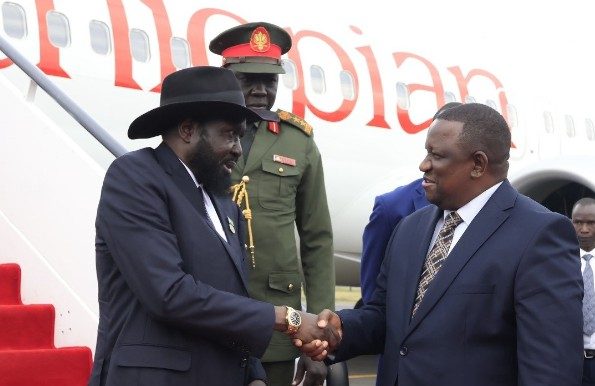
548 121
402 95
58 29
101 42
469 99
590 128
513 119
347 85
570 130
180 53
289 78
14 20
318 81
139 45
449 97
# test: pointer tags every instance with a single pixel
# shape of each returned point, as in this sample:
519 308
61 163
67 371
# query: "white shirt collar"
191 174
472 208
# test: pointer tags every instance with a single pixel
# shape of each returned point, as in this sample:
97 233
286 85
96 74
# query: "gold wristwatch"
293 319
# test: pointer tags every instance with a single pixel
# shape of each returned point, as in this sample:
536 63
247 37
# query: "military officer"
286 190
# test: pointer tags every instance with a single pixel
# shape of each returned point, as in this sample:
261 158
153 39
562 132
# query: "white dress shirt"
208 205
589 340
467 213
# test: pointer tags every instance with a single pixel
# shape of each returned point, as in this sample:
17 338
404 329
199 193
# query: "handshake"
315 335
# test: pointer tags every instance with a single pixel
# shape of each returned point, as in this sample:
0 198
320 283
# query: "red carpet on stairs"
27 353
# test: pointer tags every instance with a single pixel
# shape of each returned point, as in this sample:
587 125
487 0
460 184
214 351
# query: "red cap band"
246 50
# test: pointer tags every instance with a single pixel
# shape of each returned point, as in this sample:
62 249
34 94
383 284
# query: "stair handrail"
67 103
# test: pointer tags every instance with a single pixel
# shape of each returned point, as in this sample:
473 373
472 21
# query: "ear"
186 129
480 164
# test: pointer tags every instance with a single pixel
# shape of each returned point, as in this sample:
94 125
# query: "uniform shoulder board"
295 121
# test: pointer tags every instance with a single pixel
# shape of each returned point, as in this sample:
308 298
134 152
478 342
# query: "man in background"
583 219
286 191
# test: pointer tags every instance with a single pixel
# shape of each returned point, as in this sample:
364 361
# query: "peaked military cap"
253 48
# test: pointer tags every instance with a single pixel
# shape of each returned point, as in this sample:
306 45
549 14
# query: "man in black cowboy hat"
287 192
173 305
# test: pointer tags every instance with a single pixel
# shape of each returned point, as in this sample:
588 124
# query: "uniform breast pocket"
277 186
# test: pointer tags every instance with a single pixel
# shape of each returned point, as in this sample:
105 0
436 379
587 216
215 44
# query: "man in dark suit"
482 288
389 209
173 301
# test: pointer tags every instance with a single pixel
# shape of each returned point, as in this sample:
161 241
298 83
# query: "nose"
258 88
236 149
424 166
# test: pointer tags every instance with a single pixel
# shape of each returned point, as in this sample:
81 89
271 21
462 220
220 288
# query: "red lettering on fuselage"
437 88
378 119
300 100
49 62
163 37
122 54
5 62
49 55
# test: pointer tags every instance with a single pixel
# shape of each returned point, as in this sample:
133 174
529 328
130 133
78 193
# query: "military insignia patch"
260 40
232 227
295 121
284 160
274 127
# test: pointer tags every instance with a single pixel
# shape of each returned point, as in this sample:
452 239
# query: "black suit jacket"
172 293
505 308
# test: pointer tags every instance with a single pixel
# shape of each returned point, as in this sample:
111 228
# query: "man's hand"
318 336
315 372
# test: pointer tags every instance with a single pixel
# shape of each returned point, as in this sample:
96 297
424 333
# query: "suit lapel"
487 221
232 246
173 166
263 141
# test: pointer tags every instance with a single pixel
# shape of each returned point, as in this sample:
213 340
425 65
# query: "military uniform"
280 195
286 191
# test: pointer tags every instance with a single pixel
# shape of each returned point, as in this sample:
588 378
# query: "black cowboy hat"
195 92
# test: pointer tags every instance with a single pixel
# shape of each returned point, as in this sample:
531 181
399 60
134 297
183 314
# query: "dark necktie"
436 256
588 298
248 139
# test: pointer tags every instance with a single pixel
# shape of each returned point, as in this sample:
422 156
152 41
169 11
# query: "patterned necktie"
588 298
436 256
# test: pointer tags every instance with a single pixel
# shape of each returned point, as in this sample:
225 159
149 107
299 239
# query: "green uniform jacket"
282 195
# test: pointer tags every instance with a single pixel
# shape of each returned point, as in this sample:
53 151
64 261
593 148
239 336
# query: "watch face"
295 319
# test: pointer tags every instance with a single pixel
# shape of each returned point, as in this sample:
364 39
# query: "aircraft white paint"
52 170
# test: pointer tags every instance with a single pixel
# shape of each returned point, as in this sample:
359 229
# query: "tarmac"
362 370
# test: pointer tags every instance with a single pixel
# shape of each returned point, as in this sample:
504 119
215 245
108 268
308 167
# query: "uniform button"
280 170
290 287
403 351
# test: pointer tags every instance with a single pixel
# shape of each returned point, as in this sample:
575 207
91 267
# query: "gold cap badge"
260 40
